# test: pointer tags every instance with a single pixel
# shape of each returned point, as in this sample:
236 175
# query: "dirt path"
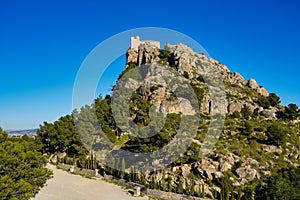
66 186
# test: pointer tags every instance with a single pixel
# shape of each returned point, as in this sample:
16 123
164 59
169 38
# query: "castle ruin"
135 42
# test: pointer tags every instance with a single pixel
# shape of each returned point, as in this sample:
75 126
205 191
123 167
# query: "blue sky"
43 43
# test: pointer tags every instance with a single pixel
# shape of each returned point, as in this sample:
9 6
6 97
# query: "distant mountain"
19 133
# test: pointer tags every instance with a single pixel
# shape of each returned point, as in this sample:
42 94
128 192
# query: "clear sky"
43 43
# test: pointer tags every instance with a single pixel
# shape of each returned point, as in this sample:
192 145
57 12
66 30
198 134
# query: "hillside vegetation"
256 156
22 171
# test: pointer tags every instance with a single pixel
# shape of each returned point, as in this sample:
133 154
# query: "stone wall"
169 195
150 192
89 172
135 43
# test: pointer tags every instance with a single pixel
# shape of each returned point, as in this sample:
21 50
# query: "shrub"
186 75
246 112
284 185
263 102
255 113
236 114
274 99
248 128
276 134
291 111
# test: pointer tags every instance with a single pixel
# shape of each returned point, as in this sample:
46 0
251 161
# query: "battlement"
135 42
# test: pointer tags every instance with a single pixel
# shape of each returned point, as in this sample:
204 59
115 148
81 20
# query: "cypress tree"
202 191
122 171
179 187
192 189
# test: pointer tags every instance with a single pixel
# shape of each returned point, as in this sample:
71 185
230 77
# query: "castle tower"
135 42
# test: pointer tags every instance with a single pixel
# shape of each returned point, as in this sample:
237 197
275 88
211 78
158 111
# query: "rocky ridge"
203 74
195 66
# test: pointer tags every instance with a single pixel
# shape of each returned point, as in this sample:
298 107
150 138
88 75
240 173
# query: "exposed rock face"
252 84
186 169
247 174
271 149
145 54
227 162
206 169
235 106
187 63
269 113
251 161
196 67
262 91
184 58
206 105
131 56
205 172
238 78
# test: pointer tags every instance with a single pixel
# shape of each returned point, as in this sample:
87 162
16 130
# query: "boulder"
218 175
205 104
252 84
225 167
235 106
261 90
238 78
186 169
227 162
271 149
147 54
247 173
205 168
269 113
251 161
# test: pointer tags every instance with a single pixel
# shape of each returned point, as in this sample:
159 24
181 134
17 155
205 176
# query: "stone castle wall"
135 42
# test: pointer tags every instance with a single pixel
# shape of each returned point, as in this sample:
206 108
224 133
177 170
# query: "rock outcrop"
247 173
211 80
197 67
145 54
253 85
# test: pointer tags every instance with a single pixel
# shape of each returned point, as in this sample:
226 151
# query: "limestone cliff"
195 66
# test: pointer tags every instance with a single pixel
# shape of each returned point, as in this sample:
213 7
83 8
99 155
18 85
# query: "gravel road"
66 186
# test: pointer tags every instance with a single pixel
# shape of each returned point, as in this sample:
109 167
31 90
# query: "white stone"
135 42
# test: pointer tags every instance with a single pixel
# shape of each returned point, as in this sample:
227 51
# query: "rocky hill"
240 92
247 150
20 133
250 153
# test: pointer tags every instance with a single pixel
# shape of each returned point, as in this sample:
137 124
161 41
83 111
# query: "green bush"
236 114
276 134
248 128
263 102
274 99
292 111
22 171
246 112
186 75
285 184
